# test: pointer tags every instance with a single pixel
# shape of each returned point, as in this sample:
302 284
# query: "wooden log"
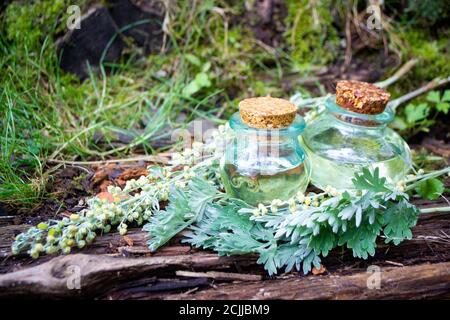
142 288
225 276
430 244
437 147
428 232
7 235
96 274
99 273
414 282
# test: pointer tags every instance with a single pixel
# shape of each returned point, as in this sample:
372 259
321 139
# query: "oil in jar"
279 180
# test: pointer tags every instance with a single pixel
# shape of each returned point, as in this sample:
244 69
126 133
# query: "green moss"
311 38
419 13
32 22
226 46
434 54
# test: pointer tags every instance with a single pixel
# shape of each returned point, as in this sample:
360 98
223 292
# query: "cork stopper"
267 112
361 97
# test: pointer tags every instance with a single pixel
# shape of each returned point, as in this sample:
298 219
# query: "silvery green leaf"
331 220
372 217
358 216
348 212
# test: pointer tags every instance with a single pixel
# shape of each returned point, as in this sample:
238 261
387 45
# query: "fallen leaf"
99 177
105 195
132 173
316 271
104 185
106 172
128 240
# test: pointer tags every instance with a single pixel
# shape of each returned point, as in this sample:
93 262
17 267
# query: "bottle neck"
261 136
365 121
243 130
359 122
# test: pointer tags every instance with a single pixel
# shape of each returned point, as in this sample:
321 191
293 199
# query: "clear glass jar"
260 165
340 143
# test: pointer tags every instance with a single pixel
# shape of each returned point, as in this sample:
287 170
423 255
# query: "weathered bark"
112 268
7 235
96 274
414 282
225 276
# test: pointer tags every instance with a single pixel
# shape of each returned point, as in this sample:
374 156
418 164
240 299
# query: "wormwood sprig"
296 233
134 204
186 206
351 219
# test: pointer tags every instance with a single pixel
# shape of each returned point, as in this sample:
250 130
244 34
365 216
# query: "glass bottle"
340 143
263 164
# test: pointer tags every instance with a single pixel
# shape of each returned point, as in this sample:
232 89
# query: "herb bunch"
284 234
133 204
298 232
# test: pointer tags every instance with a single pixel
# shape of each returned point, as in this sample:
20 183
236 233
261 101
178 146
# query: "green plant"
296 233
430 189
311 37
135 203
442 104
419 117
423 13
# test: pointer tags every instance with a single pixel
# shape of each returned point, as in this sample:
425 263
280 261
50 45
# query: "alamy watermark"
374 21
74 19
244 143
374 279
73 273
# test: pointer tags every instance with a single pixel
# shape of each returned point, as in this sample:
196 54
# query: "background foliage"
215 59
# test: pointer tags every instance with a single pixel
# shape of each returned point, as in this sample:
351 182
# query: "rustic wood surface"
414 282
116 267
